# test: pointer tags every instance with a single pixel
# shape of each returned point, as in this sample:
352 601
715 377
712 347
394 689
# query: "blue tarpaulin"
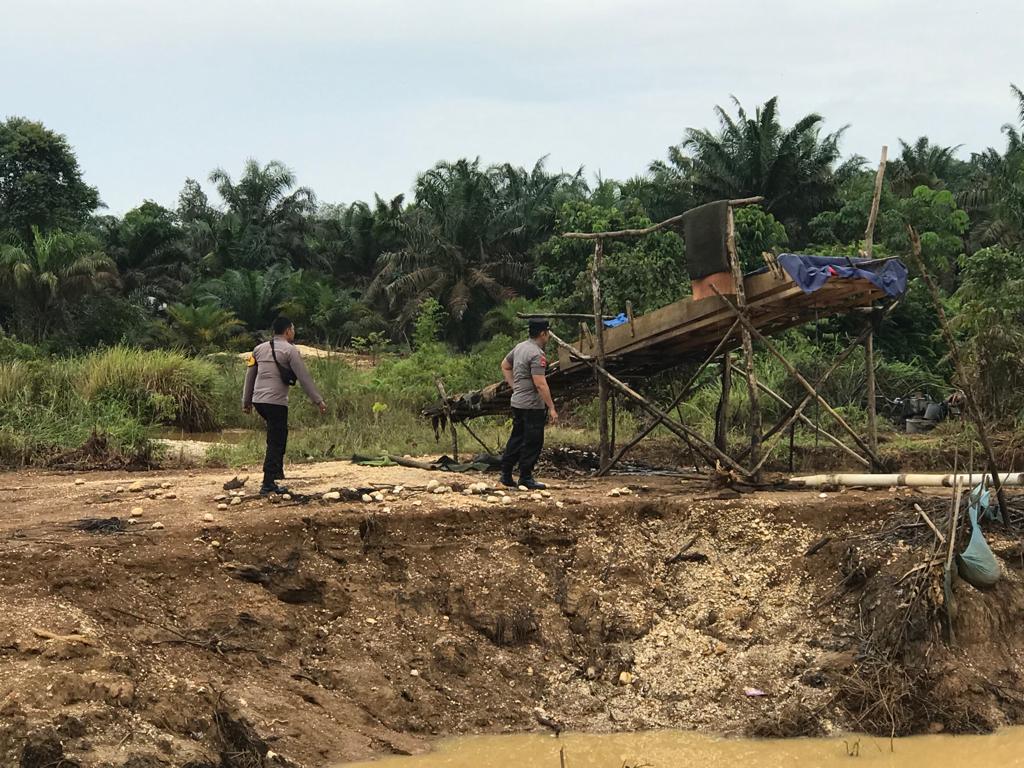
812 272
620 319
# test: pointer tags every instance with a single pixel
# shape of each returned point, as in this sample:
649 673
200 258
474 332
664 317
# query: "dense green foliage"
448 269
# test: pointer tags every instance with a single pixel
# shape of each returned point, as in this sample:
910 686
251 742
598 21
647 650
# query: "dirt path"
310 633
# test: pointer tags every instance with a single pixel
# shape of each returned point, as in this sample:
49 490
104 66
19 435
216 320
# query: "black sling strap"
287 375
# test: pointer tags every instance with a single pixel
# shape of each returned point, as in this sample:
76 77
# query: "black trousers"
276 417
525 442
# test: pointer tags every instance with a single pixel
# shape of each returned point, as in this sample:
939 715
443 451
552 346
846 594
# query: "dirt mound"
312 634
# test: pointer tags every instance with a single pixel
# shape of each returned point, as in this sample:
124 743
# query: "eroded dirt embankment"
311 634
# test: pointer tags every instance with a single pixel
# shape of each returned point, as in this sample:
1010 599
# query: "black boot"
531 485
507 480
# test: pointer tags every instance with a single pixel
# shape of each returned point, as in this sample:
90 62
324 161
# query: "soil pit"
308 635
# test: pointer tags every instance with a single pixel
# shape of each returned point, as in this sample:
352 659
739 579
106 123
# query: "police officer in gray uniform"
274 366
525 371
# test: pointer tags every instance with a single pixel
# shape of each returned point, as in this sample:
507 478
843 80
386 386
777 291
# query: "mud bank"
311 634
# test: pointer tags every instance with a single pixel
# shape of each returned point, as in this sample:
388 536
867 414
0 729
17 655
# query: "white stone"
432 485
378 496
523 488
441 489
332 496
506 499
79 481
222 507
157 526
220 497
559 504
536 497
626 678
367 498
170 495
417 503
136 512
215 544
493 499
236 501
286 497
546 494
208 518
119 489
385 510
165 486
136 486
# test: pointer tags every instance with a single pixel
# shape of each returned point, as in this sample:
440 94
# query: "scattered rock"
119 489
414 672
208 518
591 673
536 497
626 678
331 496
385 510
546 494
417 503
559 504
222 507
367 498
523 488
165 486
614 493
220 497
157 526
377 496
79 481
493 499
432 485
286 497
215 544
170 495
506 499
136 512
136 487
441 489
236 501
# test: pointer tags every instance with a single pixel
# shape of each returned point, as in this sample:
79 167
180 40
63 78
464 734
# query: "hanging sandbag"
977 564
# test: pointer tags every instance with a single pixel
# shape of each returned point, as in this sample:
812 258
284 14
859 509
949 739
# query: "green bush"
158 386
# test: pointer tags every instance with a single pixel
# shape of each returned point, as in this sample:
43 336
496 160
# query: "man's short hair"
281 325
537 326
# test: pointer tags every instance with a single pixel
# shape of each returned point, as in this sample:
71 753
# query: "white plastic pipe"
907 480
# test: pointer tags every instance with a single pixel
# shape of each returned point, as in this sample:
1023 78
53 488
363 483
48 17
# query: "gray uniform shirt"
527 360
263 382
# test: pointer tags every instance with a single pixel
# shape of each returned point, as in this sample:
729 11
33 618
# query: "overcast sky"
357 97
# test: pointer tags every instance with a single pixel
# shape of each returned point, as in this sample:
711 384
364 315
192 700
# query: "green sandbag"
977 564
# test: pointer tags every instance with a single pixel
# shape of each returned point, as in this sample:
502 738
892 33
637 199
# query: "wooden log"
653 423
559 316
748 345
680 430
803 382
654 227
954 353
602 385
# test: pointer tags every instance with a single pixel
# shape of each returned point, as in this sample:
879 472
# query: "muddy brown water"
670 749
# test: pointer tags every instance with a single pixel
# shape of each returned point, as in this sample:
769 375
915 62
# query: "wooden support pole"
602 385
615 416
748 345
800 379
654 422
779 428
869 343
962 380
448 416
869 369
869 234
680 430
722 412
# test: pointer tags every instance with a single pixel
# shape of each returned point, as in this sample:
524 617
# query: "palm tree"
348 240
201 329
150 250
795 169
466 240
266 220
995 196
924 164
254 296
48 277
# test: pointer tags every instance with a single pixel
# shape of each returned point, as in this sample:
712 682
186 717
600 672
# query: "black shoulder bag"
287 376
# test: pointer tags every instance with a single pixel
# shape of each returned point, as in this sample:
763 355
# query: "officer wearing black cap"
525 371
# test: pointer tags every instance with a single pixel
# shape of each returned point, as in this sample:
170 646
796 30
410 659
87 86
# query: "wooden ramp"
684 331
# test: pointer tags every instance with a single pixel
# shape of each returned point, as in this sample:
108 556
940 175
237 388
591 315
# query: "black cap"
538 325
